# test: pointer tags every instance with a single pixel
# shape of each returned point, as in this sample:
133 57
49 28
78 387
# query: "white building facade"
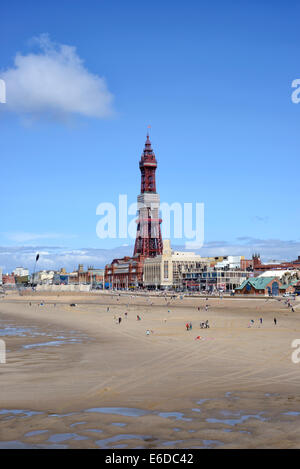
165 271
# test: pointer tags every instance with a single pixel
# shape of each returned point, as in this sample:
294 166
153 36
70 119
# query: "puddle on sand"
103 443
11 331
53 343
22 413
124 411
201 401
36 432
171 443
229 412
59 437
59 337
176 415
233 422
212 442
62 415
15 444
133 412
93 430
225 417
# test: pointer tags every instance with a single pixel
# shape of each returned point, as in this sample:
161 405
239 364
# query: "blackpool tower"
148 241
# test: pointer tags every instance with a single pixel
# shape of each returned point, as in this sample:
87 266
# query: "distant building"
246 264
21 272
230 262
43 277
165 270
259 267
89 276
60 278
8 279
125 273
181 269
96 276
80 276
289 287
285 276
297 288
214 279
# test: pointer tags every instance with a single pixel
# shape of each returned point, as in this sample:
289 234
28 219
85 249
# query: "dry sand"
235 387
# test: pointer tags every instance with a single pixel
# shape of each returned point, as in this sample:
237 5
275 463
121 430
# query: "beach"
76 377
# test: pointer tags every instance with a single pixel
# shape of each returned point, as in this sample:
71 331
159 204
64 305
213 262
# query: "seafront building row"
171 269
174 271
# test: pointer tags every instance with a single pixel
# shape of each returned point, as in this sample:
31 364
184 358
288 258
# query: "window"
166 269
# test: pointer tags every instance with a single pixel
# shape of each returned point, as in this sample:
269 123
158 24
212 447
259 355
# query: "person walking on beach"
191 325
120 319
275 321
260 320
187 326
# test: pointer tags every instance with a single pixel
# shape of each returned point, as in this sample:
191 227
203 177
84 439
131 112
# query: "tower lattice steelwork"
148 238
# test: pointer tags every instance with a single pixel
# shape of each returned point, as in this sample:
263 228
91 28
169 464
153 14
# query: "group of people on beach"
289 305
203 325
251 323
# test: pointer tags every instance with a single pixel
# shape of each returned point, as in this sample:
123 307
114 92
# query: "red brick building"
268 286
259 267
125 273
8 279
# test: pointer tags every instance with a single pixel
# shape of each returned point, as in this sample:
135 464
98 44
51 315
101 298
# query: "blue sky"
213 79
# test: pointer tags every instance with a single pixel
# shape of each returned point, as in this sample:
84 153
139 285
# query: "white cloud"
24 237
269 249
54 83
52 257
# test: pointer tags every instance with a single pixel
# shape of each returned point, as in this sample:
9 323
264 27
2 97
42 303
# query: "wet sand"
76 372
